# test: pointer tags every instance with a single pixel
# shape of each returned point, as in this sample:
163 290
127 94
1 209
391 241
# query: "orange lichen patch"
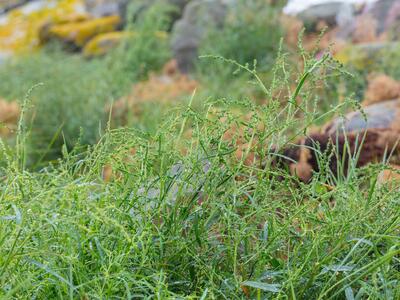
241 136
310 41
103 43
80 33
169 86
9 115
19 29
107 173
166 88
390 177
381 88
110 173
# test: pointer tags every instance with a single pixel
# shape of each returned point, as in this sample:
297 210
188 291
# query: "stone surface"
381 11
390 177
188 32
384 115
20 28
102 8
332 13
293 7
380 88
7 5
393 21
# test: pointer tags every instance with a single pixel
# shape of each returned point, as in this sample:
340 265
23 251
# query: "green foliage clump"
385 61
148 48
203 224
70 105
192 226
71 98
390 63
251 32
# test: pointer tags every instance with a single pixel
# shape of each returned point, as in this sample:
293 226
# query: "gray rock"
375 50
8 5
101 8
376 116
187 33
381 11
333 13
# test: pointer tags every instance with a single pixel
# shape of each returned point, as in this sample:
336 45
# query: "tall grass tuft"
182 216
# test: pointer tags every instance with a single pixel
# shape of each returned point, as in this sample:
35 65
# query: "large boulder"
21 28
384 11
383 115
331 13
387 17
187 33
102 8
7 5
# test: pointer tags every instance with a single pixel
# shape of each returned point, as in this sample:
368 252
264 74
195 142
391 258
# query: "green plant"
247 34
69 104
204 225
185 226
148 48
251 32
391 62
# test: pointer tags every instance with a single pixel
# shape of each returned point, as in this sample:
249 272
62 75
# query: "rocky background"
94 27
120 58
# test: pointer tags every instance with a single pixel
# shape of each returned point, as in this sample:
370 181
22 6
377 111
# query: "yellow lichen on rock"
365 56
44 30
356 57
103 43
19 29
80 33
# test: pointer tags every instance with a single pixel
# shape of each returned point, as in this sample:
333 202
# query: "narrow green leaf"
273 288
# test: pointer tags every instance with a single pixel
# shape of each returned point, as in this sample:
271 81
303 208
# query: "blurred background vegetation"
90 54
